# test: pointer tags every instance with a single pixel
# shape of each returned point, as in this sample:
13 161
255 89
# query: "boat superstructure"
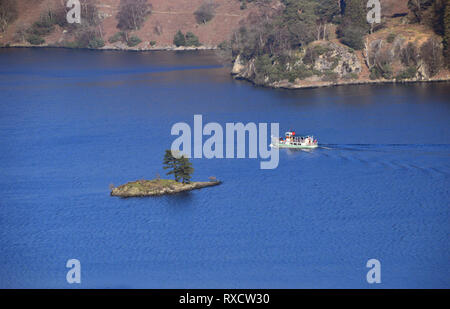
295 142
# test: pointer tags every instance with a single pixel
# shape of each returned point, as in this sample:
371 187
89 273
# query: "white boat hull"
289 146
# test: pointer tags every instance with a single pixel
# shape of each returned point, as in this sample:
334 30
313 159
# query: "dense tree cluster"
418 8
354 25
429 12
277 29
190 39
298 22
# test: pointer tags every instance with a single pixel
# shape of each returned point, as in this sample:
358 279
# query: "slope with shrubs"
279 43
153 22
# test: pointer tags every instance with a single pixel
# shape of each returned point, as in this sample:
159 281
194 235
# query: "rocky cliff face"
338 59
243 69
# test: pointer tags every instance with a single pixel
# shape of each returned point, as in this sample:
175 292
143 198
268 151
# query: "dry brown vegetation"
167 17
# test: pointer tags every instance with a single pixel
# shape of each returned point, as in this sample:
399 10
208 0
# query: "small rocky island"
177 165
158 187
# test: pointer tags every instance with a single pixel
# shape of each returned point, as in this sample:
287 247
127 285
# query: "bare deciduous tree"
132 14
410 55
89 12
21 33
431 54
158 28
8 13
206 11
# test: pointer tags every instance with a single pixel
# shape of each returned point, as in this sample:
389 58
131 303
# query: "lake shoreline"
277 85
112 48
284 86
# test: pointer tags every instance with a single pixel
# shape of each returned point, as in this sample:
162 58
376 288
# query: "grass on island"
144 185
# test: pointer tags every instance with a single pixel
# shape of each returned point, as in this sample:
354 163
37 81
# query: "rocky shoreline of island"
158 187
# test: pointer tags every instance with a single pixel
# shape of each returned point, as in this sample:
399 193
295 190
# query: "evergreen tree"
179 39
436 15
299 19
171 164
185 169
325 10
355 14
192 39
354 25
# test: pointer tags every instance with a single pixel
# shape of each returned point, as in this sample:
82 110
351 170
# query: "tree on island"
170 163
185 170
179 166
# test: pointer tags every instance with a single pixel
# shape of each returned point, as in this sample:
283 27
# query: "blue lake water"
74 122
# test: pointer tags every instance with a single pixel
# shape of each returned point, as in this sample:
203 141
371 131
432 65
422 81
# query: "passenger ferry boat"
294 142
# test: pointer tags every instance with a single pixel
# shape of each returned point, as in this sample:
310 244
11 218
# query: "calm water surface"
73 122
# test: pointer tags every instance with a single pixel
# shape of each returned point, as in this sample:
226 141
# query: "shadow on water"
181 199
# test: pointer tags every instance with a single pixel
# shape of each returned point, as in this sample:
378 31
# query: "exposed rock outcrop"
321 62
338 59
243 69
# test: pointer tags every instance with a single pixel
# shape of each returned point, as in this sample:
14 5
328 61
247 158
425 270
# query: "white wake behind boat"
295 142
